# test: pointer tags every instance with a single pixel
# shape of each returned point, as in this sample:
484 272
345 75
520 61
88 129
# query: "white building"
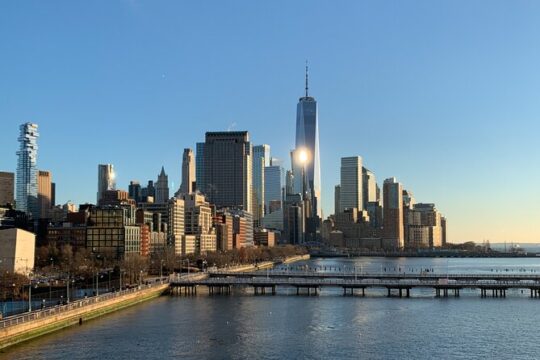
176 227
17 250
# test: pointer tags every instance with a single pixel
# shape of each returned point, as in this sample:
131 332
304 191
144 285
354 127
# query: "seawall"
31 325
296 258
267 264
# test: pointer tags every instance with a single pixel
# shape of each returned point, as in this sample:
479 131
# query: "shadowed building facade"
261 159
7 183
227 179
393 234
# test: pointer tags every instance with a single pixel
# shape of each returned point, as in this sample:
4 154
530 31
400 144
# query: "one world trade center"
306 159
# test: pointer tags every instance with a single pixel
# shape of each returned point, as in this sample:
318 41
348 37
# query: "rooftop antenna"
306 78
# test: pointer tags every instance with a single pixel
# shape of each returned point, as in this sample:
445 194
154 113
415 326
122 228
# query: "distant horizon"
450 111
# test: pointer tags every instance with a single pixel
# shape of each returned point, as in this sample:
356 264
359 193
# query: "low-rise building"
67 234
265 237
17 250
112 231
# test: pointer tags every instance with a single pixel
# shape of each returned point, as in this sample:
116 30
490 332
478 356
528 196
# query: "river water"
328 326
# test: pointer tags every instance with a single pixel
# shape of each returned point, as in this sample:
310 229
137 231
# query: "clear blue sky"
444 95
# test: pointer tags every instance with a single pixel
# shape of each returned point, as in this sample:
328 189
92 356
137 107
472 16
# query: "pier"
394 284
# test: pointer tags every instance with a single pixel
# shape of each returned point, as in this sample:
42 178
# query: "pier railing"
352 282
368 275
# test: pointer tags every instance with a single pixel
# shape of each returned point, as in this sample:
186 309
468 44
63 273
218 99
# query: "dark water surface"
327 326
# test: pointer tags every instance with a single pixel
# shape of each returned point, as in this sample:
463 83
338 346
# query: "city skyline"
466 139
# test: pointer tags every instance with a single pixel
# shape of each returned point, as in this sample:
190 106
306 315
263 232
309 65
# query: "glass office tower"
307 141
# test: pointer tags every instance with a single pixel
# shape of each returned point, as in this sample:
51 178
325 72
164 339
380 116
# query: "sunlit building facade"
307 141
106 180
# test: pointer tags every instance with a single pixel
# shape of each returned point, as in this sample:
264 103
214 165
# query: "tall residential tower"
27 188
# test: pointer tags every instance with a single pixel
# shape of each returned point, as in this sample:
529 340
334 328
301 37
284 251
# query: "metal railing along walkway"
76 304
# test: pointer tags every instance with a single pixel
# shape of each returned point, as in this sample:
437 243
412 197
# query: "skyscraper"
273 187
351 192
307 143
393 214
44 193
148 192
162 187
106 179
228 169
26 170
188 172
261 159
337 199
134 190
199 167
7 183
370 191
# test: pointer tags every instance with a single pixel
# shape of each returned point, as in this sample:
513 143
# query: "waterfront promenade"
19 328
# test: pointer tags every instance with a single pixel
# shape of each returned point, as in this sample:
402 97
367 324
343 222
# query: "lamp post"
182 264
30 293
121 275
161 271
67 288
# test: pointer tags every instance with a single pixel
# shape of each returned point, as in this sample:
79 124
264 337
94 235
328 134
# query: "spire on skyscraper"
307 79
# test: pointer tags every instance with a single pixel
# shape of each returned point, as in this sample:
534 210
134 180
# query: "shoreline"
438 255
267 264
80 311
74 313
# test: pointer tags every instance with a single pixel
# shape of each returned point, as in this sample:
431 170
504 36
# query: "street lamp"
161 272
121 275
67 288
30 293
97 283
109 284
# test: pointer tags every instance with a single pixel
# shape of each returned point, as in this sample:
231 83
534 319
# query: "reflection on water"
328 326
